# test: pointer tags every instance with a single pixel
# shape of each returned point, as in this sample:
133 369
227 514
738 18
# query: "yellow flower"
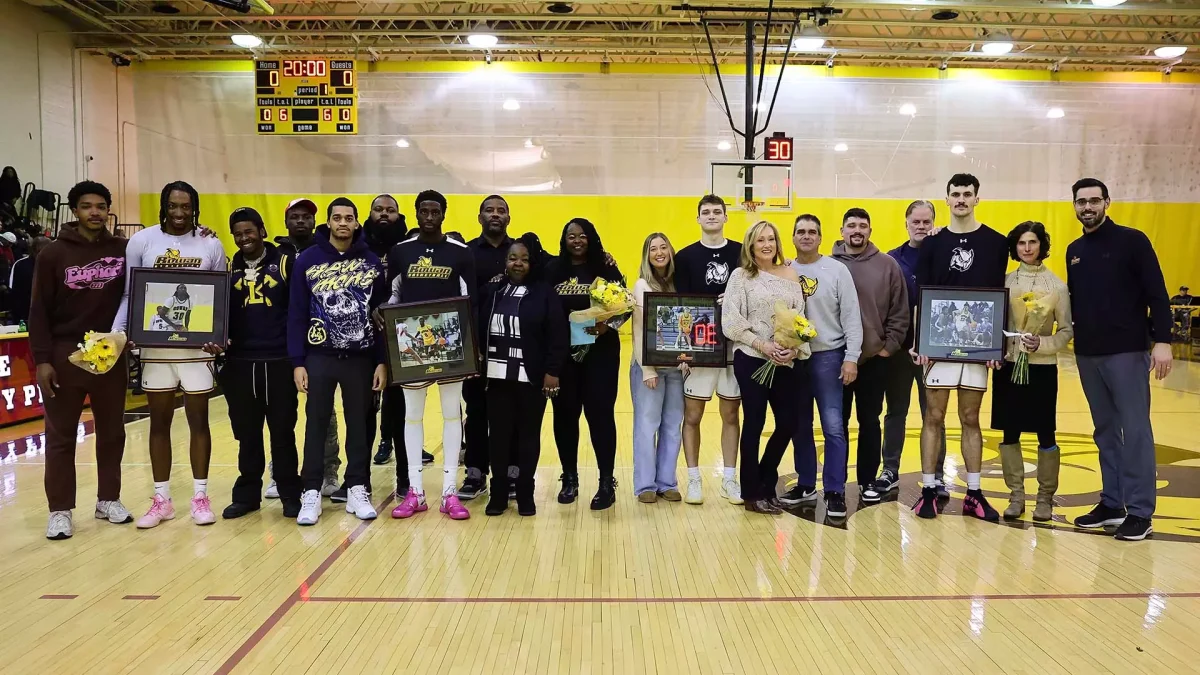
1026 297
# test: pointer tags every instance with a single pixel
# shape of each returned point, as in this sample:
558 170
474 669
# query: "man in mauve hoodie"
883 302
77 287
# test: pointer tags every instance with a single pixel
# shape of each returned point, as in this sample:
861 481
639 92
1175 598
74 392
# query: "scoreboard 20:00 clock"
306 96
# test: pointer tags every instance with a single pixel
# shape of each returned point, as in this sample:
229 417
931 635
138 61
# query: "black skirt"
1030 407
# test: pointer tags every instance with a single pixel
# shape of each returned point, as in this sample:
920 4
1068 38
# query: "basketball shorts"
946 375
702 383
193 377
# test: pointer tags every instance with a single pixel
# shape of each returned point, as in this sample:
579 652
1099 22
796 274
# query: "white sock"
729 470
163 489
928 480
414 436
452 432
693 473
972 481
199 485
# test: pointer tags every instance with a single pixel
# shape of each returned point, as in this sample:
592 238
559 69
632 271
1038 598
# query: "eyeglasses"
1093 201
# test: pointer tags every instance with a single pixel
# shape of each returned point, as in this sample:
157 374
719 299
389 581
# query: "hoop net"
752 205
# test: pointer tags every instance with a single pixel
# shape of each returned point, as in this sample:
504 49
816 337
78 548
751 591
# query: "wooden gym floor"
661 588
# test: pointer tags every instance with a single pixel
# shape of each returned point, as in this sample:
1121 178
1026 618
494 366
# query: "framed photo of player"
178 307
964 325
682 328
429 341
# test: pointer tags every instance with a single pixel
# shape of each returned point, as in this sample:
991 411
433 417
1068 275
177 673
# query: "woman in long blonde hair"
747 318
657 392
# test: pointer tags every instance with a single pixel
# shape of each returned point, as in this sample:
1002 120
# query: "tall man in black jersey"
431 266
489 249
967 254
704 267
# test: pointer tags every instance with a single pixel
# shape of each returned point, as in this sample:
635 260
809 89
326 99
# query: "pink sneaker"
454 508
161 509
413 503
201 510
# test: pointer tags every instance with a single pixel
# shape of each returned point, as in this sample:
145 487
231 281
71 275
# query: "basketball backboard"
758 186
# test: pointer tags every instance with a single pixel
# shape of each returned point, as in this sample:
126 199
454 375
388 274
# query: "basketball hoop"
751 206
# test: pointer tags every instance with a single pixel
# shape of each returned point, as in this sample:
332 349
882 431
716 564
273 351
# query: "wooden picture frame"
178 308
963 325
682 328
430 341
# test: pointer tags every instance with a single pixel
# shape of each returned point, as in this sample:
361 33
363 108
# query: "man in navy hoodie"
257 378
332 342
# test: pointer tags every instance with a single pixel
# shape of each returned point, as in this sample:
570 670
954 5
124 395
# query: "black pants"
256 391
392 413
901 374
515 412
867 392
476 432
1046 439
760 475
590 388
353 373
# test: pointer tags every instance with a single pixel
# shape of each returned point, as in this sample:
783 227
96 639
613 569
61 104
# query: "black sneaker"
926 506
496 506
1101 516
291 508
943 492
472 487
385 452
236 510
1135 528
606 495
977 506
512 491
426 457
886 482
835 504
570 488
798 495
339 496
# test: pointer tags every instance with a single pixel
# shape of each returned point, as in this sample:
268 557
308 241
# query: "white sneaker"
329 486
695 491
732 491
114 512
310 508
60 526
358 503
272 491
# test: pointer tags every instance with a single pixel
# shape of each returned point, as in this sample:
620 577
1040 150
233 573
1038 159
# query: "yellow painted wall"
624 222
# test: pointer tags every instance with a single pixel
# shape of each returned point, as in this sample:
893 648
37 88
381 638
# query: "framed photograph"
962 324
178 308
682 329
430 340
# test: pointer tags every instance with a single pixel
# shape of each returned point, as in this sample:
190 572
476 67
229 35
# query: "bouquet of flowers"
1030 313
98 352
792 331
609 299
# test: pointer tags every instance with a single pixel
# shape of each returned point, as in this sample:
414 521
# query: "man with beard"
1114 279
384 229
300 218
490 249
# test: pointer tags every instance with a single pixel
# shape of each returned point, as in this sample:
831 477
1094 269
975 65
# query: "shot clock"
316 96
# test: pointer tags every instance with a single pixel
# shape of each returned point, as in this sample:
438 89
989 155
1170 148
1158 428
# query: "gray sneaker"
272 491
329 486
60 526
114 512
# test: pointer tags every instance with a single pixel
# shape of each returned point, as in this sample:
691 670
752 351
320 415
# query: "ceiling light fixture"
512 104
1055 113
808 43
841 147
528 142
402 143
1170 51
997 44
724 145
958 149
908 109
246 41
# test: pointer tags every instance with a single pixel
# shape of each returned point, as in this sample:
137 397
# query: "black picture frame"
664 348
174 322
440 359
953 323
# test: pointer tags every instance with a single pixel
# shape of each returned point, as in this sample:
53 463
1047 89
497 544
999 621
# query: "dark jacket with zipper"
545 336
258 307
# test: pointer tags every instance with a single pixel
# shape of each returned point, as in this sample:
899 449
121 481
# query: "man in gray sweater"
883 302
831 304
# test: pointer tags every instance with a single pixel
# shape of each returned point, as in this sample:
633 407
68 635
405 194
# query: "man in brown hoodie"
77 287
883 302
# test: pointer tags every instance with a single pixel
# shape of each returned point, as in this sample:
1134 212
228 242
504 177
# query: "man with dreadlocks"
175 244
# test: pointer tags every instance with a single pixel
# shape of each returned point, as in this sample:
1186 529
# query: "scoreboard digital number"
314 96
779 148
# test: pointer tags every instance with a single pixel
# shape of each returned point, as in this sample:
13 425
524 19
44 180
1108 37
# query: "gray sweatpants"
1117 388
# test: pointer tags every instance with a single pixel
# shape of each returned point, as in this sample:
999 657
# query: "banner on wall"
20 395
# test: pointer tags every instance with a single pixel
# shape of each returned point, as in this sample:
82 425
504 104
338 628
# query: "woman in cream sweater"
747 318
1031 407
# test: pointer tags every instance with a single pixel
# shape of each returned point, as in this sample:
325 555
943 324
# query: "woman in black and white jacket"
524 337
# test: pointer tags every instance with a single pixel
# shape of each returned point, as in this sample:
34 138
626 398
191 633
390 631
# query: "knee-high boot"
1014 477
1047 475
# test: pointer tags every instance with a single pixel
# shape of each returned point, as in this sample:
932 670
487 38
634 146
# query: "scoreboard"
306 96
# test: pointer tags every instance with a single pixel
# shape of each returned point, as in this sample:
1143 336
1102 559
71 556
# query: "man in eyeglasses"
1114 279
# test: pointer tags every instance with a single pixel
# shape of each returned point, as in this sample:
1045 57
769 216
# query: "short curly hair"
1029 226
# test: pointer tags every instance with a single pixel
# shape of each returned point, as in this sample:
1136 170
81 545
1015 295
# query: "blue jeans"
825 384
657 429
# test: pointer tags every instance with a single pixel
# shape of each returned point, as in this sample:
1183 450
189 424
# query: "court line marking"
753 600
52 596
231 598
296 596
140 597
